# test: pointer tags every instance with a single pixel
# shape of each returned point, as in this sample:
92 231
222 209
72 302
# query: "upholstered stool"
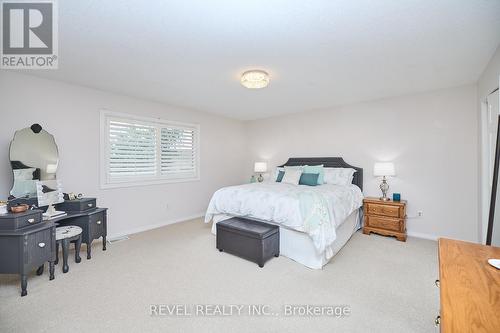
65 235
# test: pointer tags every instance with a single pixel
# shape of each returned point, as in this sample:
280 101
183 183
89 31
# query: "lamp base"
384 187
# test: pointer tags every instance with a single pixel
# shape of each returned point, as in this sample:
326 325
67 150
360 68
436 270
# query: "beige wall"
431 137
488 81
71 114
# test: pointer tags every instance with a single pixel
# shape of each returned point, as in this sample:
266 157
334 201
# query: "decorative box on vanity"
78 205
26 243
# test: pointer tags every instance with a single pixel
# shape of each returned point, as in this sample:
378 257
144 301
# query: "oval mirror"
33 156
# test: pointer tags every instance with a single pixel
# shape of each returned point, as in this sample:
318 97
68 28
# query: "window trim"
106 183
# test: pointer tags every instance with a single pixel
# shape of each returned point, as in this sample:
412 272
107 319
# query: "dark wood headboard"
328 162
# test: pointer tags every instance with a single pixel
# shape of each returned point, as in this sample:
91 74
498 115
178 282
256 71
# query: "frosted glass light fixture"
255 79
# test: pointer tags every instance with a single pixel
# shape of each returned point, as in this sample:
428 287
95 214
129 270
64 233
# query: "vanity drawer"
384 223
39 247
79 205
384 210
97 224
20 220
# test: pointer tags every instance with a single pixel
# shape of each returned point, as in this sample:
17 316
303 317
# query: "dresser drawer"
39 247
20 220
384 223
384 210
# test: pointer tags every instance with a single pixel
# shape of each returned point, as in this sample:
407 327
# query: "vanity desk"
27 241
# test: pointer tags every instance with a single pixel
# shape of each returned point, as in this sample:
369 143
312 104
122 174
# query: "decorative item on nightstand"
259 168
384 170
386 218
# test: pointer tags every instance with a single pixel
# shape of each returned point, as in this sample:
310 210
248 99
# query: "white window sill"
147 183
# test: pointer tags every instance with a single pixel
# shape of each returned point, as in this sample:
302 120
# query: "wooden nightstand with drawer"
386 218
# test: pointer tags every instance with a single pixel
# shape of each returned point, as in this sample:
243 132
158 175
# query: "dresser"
386 218
26 243
469 287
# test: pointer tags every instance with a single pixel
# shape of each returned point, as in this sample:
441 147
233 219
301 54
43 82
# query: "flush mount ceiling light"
255 79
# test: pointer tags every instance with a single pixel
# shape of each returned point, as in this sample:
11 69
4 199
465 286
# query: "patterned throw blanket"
317 220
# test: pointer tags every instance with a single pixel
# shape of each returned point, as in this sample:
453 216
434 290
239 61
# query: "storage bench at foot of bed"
248 239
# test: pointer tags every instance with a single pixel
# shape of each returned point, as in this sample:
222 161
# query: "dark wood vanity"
27 241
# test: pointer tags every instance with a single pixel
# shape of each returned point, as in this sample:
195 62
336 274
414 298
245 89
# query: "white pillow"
278 169
24 174
292 175
339 176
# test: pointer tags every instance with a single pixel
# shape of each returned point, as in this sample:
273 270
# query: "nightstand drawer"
384 210
384 223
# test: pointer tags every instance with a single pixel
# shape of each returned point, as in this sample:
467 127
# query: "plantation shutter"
132 150
178 151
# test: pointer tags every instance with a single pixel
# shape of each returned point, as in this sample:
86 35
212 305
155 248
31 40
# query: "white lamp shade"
384 169
260 167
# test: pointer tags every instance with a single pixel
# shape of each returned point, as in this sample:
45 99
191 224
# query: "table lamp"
384 170
259 168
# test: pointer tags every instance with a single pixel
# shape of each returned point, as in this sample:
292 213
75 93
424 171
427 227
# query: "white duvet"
315 210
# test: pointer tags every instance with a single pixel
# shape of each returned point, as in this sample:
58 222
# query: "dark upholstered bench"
252 240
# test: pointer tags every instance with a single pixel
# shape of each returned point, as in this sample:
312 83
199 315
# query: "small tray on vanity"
14 221
78 205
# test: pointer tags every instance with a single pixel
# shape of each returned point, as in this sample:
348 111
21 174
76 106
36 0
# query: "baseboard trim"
422 235
154 226
196 216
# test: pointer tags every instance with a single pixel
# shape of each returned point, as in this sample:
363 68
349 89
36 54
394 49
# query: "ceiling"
319 54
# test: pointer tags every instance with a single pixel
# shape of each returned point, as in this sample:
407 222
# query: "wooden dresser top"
469 287
374 200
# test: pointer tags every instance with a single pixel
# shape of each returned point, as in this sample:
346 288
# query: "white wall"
488 81
431 137
71 114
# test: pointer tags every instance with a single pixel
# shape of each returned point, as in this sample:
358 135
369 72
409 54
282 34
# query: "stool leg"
39 271
57 253
78 245
65 249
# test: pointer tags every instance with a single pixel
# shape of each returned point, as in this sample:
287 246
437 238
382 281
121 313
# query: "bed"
315 221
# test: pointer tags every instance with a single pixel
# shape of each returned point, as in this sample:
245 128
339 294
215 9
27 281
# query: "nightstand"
386 218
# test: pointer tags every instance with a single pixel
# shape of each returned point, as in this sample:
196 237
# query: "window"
141 151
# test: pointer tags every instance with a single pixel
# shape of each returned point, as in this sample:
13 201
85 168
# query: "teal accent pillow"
280 176
316 169
310 179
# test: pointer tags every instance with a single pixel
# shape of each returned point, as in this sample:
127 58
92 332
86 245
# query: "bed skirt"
299 247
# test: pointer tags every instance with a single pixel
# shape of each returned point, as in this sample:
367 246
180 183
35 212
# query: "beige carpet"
388 285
